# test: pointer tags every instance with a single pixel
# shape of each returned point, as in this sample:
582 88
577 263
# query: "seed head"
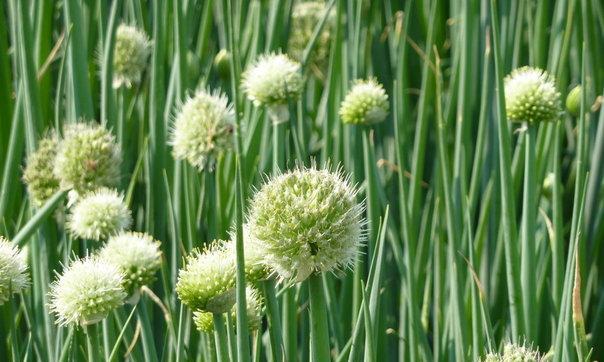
531 96
256 268
205 322
514 353
137 256
38 173
99 215
87 158
308 220
207 281
573 101
365 104
86 292
203 129
305 17
132 49
13 270
274 79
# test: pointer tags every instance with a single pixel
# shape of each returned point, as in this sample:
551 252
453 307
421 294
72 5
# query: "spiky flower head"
13 270
132 49
365 104
86 292
207 281
203 129
87 158
305 17
38 174
514 353
274 79
573 101
205 322
254 254
308 220
531 96
137 256
99 215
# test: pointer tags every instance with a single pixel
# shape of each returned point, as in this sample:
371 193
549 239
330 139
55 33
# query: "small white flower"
98 215
274 79
86 292
203 129
132 49
13 270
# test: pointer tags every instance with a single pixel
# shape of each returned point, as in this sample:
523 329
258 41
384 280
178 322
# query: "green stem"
210 194
274 321
289 324
92 343
319 333
222 351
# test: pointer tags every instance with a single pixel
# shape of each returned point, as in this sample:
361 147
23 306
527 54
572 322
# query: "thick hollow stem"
319 333
220 337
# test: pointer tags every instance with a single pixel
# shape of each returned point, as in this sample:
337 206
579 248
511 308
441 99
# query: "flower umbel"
308 220
272 80
38 173
13 270
531 96
305 17
207 281
205 323
203 129
86 292
136 255
256 268
132 49
514 353
87 158
99 215
366 103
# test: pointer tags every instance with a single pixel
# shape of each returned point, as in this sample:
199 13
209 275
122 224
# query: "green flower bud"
86 292
513 353
256 268
38 174
308 220
203 129
274 79
531 96
99 215
222 63
205 322
305 17
87 158
365 104
207 281
132 49
573 101
13 270
138 258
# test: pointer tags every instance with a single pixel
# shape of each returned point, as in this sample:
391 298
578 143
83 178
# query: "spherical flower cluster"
366 103
87 158
132 49
205 322
531 96
305 17
38 174
86 292
207 281
308 220
514 353
99 215
203 129
137 256
13 270
274 79
256 268
573 101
